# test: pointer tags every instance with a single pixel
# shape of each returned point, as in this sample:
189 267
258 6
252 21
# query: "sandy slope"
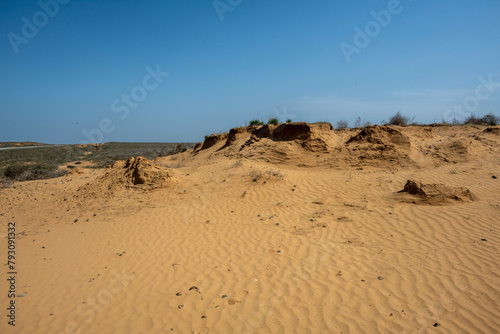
296 230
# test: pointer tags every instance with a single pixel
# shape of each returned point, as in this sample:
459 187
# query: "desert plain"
290 228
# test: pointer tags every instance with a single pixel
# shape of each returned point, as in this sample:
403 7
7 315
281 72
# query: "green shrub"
273 121
289 120
254 122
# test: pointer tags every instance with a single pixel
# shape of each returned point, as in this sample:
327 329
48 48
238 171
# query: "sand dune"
295 228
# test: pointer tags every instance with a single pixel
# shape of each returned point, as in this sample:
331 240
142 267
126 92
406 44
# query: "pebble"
484 240
435 324
178 294
224 296
494 177
380 278
193 288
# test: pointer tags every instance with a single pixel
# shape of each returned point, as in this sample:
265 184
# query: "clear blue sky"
241 60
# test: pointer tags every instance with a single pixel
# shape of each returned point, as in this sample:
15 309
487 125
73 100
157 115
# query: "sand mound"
318 144
135 173
316 137
236 134
436 194
380 135
458 150
376 144
141 171
213 140
276 142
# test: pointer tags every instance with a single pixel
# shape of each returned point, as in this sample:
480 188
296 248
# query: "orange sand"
296 229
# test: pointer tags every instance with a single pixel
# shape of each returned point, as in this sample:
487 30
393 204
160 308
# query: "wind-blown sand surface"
288 229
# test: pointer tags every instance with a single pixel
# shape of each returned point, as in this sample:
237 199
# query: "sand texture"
294 228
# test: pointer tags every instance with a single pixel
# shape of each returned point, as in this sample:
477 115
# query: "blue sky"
79 71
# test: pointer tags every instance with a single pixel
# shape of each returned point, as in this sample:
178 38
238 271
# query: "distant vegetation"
43 162
26 172
489 119
50 155
403 120
36 163
171 150
288 120
20 144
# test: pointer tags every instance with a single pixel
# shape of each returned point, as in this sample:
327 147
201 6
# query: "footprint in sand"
202 330
238 298
271 270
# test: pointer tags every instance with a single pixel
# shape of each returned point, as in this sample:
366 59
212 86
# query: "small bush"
342 124
489 119
15 171
289 120
273 121
255 122
400 119
472 119
5 182
27 172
